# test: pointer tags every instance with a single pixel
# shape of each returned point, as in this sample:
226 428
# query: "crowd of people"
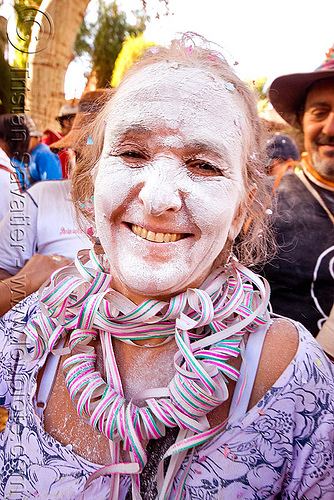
166 278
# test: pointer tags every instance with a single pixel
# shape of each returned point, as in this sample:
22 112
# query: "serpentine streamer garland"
208 325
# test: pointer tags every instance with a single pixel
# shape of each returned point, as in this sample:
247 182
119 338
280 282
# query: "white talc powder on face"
170 120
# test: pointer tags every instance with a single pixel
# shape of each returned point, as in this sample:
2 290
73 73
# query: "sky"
267 38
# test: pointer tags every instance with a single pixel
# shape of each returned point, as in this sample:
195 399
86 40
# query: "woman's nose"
160 194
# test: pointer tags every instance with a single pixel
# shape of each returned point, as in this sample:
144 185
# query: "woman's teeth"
156 237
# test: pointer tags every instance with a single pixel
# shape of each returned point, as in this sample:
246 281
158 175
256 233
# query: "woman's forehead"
180 97
173 79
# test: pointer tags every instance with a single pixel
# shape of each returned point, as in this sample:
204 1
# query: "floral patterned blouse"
283 448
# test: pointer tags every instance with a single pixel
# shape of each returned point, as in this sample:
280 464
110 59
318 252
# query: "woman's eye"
132 154
133 157
203 168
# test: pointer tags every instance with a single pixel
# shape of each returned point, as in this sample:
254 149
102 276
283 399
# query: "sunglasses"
62 119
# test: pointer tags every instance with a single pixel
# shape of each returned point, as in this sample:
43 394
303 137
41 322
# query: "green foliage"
4 85
26 11
132 49
262 96
4 72
82 45
102 41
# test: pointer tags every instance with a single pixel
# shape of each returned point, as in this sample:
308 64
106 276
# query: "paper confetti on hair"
89 141
229 86
89 206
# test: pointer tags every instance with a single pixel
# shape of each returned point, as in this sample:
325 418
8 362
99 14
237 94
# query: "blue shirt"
21 172
44 165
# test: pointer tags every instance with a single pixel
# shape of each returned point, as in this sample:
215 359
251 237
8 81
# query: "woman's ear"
239 217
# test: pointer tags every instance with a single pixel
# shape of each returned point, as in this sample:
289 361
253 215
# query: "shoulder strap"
47 381
315 193
248 372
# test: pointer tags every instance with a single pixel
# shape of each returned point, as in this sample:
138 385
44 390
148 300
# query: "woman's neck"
143 368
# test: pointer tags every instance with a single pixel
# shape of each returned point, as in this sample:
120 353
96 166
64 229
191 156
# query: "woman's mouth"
156 237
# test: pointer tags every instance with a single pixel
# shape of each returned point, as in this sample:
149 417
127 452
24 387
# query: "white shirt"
6 183
41 220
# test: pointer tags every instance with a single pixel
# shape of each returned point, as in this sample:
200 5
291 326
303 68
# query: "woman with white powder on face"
178 383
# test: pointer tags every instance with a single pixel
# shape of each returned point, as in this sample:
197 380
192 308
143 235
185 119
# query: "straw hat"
89 106
67 110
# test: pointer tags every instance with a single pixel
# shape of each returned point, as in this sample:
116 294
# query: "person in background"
14 144
43 223
301 275
65 118
90 103
43 164
8 182
282 153
46 223
32 275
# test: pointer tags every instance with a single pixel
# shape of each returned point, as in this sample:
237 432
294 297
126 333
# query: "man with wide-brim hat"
66 117
89 105
301 275
51 227
288 93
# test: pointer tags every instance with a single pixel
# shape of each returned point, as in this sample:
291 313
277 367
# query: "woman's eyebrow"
135 129
218 149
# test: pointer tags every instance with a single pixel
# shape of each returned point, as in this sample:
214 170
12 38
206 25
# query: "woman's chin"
155 285
137 292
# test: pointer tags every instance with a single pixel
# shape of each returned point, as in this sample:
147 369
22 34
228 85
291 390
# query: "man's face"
66 124
318 127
